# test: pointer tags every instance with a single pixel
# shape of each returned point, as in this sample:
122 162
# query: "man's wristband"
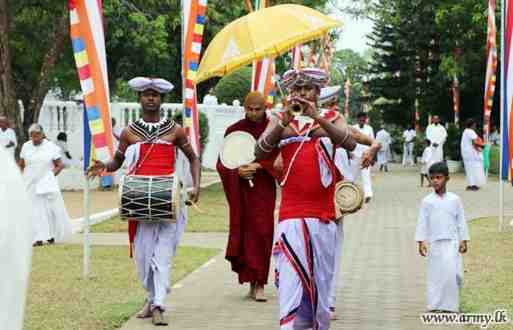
282 125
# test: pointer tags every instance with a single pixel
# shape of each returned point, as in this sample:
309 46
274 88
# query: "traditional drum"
149 198
238 149
348 198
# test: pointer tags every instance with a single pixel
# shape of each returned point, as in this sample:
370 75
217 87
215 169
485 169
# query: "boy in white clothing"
427 161
442 236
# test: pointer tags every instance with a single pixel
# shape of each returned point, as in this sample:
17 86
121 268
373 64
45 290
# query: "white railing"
66 116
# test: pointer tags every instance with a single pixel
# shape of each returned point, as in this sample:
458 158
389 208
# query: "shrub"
452 144
234 86
494 160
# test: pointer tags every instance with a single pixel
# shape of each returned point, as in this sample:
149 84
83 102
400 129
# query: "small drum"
348 198
149 198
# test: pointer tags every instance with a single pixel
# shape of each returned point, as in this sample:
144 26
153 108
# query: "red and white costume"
305 239
154 245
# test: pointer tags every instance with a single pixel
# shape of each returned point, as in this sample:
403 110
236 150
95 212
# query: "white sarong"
474 172
445 275
154 247
304 254
338 256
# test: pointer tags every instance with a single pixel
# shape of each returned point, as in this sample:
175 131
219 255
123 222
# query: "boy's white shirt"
441 218
427 154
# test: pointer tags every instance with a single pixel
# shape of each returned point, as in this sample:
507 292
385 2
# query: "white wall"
59 116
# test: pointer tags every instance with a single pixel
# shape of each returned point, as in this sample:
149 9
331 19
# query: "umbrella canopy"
263 33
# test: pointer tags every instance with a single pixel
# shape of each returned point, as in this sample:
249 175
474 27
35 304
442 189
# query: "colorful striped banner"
193 20
506 122
89 154
88 41
263 71
491 68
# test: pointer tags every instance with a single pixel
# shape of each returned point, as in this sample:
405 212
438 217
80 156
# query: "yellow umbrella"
263 33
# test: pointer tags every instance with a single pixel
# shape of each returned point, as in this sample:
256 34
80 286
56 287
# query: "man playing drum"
251 208
306 234
149 144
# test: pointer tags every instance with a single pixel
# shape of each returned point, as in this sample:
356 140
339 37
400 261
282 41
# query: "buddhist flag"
88 40
491 68
263 71
507 92
193 24
89 154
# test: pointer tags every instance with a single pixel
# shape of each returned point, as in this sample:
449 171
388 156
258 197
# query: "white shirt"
441 218
468 152
427 159
360 148
436 134
340 159
7 137
39 165
383 137
409 135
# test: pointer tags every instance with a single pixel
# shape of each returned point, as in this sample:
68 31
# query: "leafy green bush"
494 160
234 86
204 128
452 144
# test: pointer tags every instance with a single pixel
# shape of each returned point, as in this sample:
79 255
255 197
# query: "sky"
353 32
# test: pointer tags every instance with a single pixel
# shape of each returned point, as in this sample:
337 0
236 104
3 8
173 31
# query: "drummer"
149 146
251 208
306 233
329 99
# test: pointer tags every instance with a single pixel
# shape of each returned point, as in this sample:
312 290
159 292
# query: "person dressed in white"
15 243
442 236
40 161
471 152
427 161
384 154
62 143
7 136
357 153
408 145
437 134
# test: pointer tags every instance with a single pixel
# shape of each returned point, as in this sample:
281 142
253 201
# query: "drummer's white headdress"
329 94
140 84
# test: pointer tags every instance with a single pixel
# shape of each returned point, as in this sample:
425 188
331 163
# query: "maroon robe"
251 214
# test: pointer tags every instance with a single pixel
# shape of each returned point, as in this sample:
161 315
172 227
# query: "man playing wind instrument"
306 234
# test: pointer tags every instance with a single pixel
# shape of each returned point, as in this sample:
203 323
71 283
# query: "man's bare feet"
157 317
251 293
259 293
333 315
145 312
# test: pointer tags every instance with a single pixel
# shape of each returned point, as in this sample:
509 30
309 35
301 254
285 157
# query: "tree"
348 64
143 37
34 34
234 86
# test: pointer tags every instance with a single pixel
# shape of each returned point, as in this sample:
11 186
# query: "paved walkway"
383 277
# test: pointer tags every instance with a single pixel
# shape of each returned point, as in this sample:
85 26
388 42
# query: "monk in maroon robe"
251 208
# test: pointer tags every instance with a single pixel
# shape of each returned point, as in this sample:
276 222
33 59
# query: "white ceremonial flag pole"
87 243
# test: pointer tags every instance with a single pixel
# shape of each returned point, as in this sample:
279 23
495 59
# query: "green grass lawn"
488 283
213 216
59 299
